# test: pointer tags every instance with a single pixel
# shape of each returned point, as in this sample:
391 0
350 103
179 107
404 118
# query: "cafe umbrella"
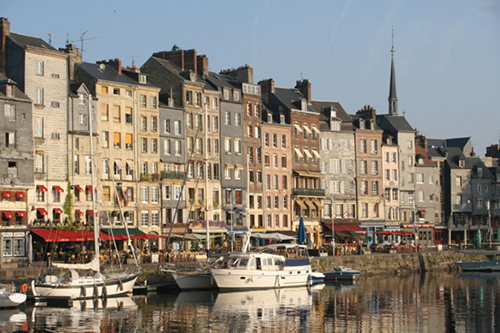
301 234
479 239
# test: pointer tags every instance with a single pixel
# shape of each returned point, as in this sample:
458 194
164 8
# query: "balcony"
173 175
313 192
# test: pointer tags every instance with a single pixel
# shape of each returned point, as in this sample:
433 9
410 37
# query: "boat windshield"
238 262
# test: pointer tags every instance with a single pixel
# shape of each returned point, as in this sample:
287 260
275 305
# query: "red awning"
20 194
6 194
79 188
422 211
90 212
8 215
67 235
42 188
21 214
58 210
79 212
58 189
42 211
89 187
347 227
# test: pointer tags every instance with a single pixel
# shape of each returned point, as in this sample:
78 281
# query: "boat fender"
120 283
96 291
84 291
309 280
104 291
33 288
24 288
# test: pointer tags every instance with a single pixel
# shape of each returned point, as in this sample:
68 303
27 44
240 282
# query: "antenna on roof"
301 78
82 39
50 37
134 57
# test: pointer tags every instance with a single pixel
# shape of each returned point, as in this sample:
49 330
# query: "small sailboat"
9 298
95 284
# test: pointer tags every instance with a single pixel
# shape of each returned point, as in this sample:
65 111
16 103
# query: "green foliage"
68 203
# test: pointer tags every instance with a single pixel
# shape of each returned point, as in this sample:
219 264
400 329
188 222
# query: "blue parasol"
301 234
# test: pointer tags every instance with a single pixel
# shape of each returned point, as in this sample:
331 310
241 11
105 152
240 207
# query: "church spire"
393 99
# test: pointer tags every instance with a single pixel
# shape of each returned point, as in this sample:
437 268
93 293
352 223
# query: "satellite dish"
102 66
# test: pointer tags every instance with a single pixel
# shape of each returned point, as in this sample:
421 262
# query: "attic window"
10 90
282 119
480 172
461 163
269 118
142 78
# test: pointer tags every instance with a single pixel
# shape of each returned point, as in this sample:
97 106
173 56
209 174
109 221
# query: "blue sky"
447 52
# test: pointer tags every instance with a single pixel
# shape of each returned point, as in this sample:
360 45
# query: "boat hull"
89 289
485 266
335 276
193 280
259 279
10 300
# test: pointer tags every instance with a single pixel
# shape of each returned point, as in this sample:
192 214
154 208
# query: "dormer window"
282 119
236 95
461 163
480 172
303 104
372 125
361 124
335 126
81 99
226 94
9 90
269 118
142 79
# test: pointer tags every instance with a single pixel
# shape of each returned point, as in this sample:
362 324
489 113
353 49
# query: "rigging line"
180 197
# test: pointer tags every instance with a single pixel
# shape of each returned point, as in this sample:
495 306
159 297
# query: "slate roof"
341 114
25 41
218 80
398 123
476 161
455 142
286 97
18 94
106 74
419 150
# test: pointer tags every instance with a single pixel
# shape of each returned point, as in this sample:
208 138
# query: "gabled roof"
397 123
25 41
174 69
289 98
105 73
419 150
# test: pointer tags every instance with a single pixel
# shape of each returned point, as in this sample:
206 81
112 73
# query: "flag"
125 200
122 198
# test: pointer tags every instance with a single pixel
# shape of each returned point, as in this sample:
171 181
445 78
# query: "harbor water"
430 303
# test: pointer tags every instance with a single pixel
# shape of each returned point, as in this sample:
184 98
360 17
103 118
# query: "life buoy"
120 283
24 288
84 291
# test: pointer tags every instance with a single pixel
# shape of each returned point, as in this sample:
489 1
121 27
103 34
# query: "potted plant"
201 202
216 205
337 251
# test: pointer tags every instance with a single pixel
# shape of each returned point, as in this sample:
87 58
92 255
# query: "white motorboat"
9 298
96 284
275 266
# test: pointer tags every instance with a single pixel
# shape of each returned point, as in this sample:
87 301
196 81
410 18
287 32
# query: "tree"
68 203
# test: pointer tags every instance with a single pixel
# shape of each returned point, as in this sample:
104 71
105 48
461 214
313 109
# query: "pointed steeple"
393 98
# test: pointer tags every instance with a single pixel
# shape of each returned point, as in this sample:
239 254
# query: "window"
364 187
152 102
275 182
374 188
374 168
237 145
283 161
144 194
266 160
144 123
285 202
39 68
154 145
216 147
39 96
268 182
10 139
145 218
216 171
105 168
283 141
237 173
227 118
227 145
237 119
128 141
215 102
105 139
362 167
410 197
420 178
216 123
227 172
249 131
10 112
394 174
276 202
116 113
154 194
285 182
143 102
154 124
177 147
128 115
410 144
257 111
155 218
458 181
117 140
459 199
364 210
199 122
39 127
373 146
104 112
177 127
104 89
76 161
362 146
144 168
421 196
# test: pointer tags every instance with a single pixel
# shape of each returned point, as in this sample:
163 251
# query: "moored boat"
9 298
341 273
275 266
480 266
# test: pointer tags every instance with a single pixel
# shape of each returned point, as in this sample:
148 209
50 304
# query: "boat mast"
92 167
207 224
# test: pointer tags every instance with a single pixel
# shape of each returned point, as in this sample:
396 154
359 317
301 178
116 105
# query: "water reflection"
12 319
433 303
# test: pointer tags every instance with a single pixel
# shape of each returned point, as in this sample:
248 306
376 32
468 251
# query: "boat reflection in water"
85 315
281 307
492 276
12 320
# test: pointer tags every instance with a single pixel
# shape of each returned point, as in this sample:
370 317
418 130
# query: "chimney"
74 57
116 64
267 90
305 87
4 31
243 74
185 60
368 112
202 63
190 60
